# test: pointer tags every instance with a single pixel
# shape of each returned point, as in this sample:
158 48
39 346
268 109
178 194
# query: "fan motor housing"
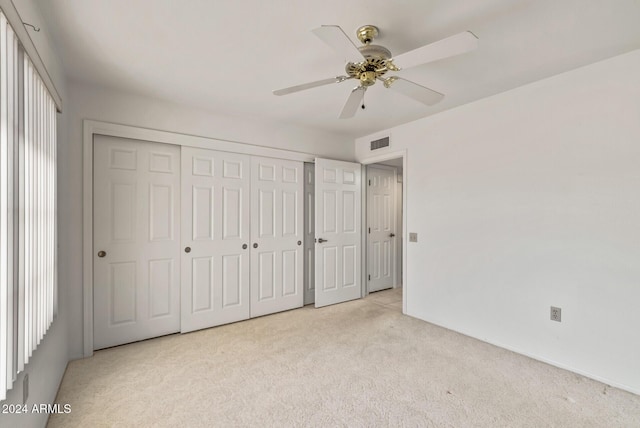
374 65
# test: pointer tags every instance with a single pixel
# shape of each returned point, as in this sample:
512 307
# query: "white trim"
158 136
93 127
405 182
87 238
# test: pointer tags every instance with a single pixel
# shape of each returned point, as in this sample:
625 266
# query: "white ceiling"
227 56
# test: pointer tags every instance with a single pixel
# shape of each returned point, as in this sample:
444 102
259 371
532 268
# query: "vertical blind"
28 286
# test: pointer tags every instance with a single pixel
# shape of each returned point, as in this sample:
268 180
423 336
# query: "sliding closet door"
136 265
276 235
215 238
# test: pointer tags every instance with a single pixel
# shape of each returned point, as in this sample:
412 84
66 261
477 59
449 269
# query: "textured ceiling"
227 56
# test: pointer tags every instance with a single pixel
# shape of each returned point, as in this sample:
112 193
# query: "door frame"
93 127
376 159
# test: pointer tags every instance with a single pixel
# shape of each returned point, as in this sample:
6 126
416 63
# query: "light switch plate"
413 237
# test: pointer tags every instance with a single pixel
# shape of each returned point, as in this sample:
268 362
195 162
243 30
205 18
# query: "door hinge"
369 230
369 277
369 182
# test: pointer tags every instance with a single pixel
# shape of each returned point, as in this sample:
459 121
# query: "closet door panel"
277 235
215 238
136 284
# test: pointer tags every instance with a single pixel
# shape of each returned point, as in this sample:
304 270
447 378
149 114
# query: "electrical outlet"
25 389
556 314
413 237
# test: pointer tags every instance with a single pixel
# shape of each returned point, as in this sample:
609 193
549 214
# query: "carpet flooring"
360 364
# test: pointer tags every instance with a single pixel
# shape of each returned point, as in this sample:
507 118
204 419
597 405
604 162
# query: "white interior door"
276 235
136 283
338 231
215 238
381 210
309 234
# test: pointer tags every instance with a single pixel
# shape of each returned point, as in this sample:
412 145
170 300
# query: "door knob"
320 240
244 246
187 249
391 235
299 242
102 253
255 245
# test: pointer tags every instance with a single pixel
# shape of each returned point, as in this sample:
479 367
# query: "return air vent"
380 143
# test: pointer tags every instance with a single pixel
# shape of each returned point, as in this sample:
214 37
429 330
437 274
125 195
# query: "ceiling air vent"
380 143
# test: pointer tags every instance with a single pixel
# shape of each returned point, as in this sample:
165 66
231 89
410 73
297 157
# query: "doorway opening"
384 232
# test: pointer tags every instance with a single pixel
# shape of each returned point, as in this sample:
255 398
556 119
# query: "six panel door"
136 283
381 227
338 231
215 238
276 235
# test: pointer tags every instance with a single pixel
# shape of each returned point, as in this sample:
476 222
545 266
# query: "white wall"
49 360
528 199
87 102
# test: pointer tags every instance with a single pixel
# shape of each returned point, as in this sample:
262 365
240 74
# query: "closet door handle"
320 240
255 245
187 249
391 235
299 242
102 253
244 246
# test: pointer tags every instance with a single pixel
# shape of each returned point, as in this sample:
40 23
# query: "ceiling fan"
372 62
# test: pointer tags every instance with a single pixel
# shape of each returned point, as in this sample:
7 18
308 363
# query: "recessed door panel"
349 220
290 214
136 264
162 162
337 229
161 284
349 265
202 214
232 274
266 277
330 268
231 213
123 284
277 236
330 211
202 284
123 212
122 158
267 216
161 212
290 267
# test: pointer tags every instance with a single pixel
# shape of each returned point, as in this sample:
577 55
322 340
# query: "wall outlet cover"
413 237
556 314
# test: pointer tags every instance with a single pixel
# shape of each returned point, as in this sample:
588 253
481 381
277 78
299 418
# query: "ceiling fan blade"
445 48
353 102
413 90
337 39
310 85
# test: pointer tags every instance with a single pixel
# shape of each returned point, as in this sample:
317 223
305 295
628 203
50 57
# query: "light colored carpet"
360 363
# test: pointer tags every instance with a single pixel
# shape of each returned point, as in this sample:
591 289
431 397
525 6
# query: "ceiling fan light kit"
375 61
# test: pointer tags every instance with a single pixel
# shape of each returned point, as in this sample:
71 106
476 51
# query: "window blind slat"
4 209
